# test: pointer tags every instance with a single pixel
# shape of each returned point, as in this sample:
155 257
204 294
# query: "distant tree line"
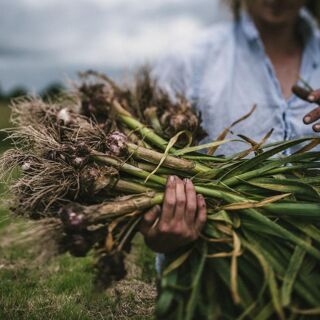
49 93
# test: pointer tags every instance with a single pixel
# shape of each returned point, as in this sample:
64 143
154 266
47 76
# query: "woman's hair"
314 8
235 5
312 5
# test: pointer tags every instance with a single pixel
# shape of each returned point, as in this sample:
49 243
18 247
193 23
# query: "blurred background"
45 42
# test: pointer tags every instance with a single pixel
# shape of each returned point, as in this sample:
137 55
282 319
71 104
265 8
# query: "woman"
256 59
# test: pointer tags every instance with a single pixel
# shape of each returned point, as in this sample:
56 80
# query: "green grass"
4 116
4 123
62 287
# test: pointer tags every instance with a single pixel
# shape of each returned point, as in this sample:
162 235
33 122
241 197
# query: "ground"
61 288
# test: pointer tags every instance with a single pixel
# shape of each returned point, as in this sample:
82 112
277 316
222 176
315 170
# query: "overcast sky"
49 40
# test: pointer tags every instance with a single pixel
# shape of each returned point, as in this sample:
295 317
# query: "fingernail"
201 198
185 180
311 97
307 119
317 127
172 179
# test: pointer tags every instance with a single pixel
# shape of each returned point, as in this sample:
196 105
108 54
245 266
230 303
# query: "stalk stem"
101 213
151 114
131 187
165 171
270 171
150 136
170 161
125 117
128 168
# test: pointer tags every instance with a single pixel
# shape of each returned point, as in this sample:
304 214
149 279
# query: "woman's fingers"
305 94
202 214
149 219
169 205
312 116
316 127
191 204
181 220
314 96
180 201
183 213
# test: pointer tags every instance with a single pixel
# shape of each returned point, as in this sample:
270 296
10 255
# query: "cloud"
64 35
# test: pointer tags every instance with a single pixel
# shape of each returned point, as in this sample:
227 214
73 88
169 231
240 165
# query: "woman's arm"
180 220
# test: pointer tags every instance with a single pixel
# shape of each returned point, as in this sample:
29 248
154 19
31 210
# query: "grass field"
4 116
62 287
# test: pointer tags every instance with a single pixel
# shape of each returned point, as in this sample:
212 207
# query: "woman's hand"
314 115
180 221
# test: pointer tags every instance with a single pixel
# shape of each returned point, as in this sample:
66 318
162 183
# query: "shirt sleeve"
181 70
173 74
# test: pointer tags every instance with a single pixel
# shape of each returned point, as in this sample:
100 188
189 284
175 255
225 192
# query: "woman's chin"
275 12
276 19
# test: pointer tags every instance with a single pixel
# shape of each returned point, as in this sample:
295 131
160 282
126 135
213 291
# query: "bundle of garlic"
95 161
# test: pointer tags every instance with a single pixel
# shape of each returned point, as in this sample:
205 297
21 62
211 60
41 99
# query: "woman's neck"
281 39
284 48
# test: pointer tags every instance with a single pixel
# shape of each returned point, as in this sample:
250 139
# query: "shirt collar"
307 26
311 35
248 27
